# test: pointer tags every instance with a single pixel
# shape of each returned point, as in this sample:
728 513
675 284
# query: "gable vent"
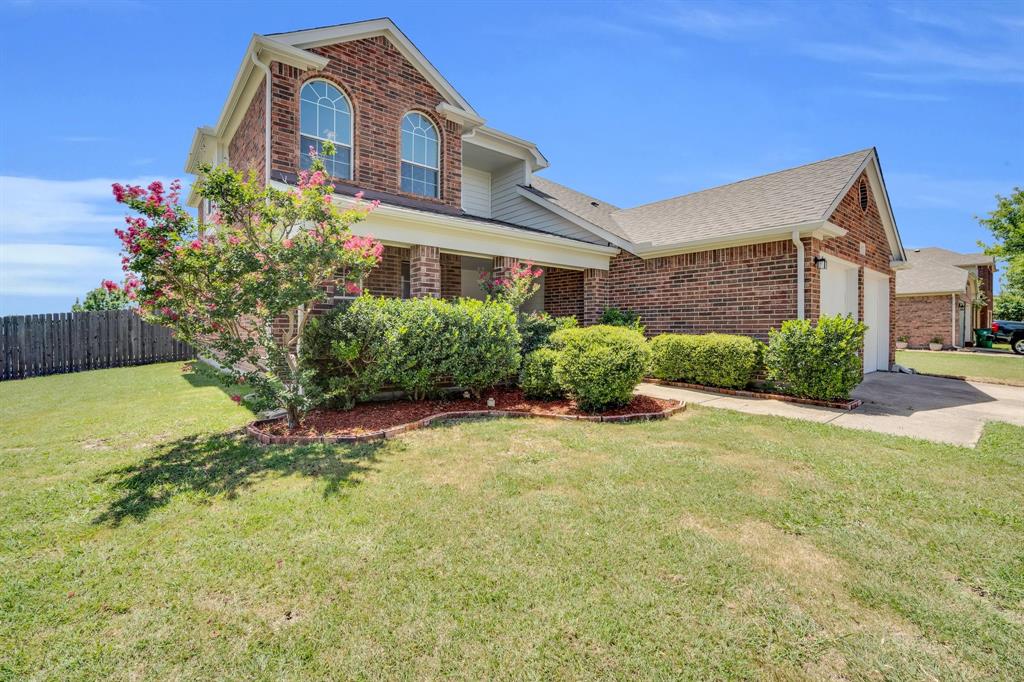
864 194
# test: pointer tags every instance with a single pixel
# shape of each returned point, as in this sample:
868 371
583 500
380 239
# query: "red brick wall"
382 87
862 226
245 150
386 278
738 290
920 318
563 292
451 275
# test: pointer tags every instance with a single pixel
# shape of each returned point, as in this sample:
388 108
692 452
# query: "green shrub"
621 318
485 343
346 352
724 360
416 345
820 361
600 366
537 328
537 377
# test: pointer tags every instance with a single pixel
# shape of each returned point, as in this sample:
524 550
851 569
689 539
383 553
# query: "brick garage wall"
451 275
862 226
386 278
382 87
245 150
563 292
739 290
920 318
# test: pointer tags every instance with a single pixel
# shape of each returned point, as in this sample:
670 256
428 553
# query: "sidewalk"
935 409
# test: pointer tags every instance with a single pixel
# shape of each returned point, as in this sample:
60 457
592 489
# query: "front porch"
420 270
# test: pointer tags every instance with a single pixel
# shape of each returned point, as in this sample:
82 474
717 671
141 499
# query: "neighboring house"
459 198
945 295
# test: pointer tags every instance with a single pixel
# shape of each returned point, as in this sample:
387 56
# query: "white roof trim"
821 229
316 37
878 188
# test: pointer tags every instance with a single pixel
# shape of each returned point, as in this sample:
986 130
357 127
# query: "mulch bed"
851 404
378 420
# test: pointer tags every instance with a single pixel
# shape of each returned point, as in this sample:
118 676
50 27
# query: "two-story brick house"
459 198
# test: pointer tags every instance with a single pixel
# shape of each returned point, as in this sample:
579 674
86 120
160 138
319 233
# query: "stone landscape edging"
852 404
265 438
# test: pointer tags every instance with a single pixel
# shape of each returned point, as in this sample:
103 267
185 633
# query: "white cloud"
81 209
34 269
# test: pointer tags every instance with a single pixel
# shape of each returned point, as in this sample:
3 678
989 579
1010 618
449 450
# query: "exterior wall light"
820 263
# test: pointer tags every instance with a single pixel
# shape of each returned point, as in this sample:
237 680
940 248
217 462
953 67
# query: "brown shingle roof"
789 197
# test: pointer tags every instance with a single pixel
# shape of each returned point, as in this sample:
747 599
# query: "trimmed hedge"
537 377
724 360
820 361
417 345
600 366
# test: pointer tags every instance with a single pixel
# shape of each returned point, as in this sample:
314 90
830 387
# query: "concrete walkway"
941 410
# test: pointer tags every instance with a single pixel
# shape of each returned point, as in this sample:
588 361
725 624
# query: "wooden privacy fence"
55 343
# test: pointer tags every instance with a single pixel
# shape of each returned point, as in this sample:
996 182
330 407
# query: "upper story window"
420 154
325 114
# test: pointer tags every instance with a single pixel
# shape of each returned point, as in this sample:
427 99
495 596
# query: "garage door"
876 317
839 288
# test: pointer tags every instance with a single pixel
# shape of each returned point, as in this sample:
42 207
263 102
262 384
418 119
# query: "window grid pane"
419 180
338 166
325 114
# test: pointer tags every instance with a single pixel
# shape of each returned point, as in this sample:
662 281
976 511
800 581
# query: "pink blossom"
237 398
196 245
234 240
286 243
359 195
328 199
353 288
109 285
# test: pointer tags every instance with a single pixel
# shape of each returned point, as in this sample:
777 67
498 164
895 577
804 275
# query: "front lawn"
139 540
1007 369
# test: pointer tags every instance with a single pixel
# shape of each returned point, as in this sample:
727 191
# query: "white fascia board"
467 120
328 35
899 265
203 136
240 93
881 193
403 226
817 229
596 230
499 141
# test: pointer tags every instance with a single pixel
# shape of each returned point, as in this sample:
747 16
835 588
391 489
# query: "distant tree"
107 296
1006 223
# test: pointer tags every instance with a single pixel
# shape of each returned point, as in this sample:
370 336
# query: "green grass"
140 540
1002 368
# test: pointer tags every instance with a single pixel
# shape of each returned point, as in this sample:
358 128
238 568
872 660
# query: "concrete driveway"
941 410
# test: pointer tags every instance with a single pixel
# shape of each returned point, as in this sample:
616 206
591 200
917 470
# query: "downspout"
266 117
799 274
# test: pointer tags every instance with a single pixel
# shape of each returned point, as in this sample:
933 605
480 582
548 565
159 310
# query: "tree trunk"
293 416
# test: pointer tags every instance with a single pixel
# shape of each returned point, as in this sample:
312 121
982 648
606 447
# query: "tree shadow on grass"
221 465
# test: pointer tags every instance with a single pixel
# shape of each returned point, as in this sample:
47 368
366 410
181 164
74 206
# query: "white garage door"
839 288
876 317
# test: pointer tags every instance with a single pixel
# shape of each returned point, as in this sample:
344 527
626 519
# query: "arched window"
420 152
325 114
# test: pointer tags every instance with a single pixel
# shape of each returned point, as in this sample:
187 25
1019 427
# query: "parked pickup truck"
1009 332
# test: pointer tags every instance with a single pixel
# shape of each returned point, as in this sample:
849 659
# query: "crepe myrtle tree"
243 290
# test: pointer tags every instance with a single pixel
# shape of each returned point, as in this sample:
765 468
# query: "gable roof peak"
357 30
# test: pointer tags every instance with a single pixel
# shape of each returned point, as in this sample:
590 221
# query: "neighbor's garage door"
876 317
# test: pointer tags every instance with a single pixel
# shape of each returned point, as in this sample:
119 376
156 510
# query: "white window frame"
351 127
403 160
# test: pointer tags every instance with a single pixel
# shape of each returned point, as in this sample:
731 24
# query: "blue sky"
631 103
